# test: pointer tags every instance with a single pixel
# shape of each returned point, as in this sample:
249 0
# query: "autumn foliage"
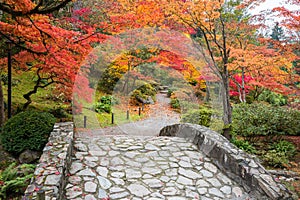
47 46
56 45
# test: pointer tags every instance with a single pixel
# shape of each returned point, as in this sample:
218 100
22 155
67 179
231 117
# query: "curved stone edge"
50 174
245 169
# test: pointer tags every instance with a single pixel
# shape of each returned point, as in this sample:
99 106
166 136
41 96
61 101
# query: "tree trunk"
207 96
243 86
227 115
2 114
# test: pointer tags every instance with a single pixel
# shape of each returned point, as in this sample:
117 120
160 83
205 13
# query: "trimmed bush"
263 119
105 103
148 90
143 92
200 116
27 130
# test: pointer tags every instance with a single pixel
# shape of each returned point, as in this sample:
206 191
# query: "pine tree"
277 33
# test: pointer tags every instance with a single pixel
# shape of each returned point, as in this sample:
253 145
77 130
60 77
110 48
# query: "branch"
41 33
22 47
36 10
91 35
226 53
27 96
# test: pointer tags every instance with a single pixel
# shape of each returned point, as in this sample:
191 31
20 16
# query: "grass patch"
101 120
43 100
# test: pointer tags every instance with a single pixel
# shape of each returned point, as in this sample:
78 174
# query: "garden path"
130 162
159 116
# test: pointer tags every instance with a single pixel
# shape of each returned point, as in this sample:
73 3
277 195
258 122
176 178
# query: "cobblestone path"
135 167
130 162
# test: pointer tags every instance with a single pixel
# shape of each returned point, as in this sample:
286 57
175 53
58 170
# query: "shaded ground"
5 158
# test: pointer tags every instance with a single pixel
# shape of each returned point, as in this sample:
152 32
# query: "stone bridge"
185 161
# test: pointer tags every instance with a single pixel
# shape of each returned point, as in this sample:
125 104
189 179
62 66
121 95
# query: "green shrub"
175 103
148 90
105 103
143 92
101 107
262 119
272 98
279 154
186 106
170 92
275 159
109 100
14 180
244 145
285 147
200 116
27 130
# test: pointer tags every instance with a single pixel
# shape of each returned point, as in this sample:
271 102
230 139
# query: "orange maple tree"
291 21
232 45
282 76
45 45
55 47
268 69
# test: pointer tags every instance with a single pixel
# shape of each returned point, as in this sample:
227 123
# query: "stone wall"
51 172
235 163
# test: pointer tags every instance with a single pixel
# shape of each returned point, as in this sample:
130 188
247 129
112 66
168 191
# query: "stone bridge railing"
51 172
235 163
50 175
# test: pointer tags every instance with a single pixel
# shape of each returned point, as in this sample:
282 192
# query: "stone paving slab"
135 167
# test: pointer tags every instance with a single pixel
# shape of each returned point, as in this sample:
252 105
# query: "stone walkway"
135 167
130 162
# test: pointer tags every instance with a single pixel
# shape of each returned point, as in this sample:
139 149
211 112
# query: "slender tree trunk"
133 83
243 86
2 114
127 80
227 115
27 96
207 96
2 110
240 93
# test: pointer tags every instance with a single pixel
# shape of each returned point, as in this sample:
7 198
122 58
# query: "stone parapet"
51 172
235 163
